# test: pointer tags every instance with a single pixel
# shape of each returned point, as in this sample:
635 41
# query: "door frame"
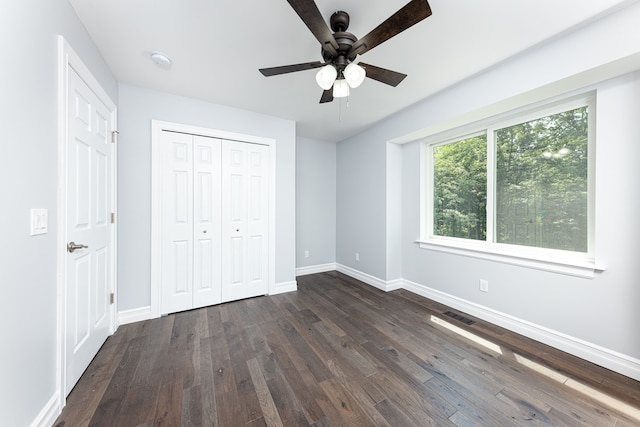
157 127
68 59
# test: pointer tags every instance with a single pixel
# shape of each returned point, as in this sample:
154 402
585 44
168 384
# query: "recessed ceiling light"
161 60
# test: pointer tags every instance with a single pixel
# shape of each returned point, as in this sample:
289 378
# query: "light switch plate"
39 221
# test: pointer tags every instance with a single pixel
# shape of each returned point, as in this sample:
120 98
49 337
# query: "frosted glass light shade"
340 88
354 75
326 76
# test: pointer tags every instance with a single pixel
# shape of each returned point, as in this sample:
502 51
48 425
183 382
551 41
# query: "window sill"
551 262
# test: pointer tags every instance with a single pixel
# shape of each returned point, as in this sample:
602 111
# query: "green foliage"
460 189
541 182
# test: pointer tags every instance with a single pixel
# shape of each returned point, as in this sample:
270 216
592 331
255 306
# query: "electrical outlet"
357 256
484 285
306 254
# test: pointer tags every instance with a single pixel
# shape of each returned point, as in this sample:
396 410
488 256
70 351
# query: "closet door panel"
207 221
177 222
245 222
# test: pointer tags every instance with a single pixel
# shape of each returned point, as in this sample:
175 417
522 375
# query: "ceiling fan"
339 49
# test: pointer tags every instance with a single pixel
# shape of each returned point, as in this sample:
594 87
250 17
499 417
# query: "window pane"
460 189
541 182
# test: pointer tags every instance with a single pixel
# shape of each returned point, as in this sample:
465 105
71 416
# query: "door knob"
72 246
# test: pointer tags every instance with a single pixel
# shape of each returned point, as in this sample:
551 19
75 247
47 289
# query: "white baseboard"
49 413
134 315
283 287
609 359
370 280
313 269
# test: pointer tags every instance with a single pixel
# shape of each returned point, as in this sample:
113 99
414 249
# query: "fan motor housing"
339 21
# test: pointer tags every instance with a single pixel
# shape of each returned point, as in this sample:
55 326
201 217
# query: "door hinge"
114 134
112 298
113 217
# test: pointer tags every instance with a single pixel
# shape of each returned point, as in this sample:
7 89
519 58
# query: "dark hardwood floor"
339 353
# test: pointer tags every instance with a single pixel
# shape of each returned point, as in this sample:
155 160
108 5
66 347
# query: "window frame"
579 264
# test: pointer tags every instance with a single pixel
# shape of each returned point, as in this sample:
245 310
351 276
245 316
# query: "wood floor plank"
207 382
269 410
363 391
304 354
288 405
237 344
228 405
347 406
339 352
348 350
307 401
192 407
169 404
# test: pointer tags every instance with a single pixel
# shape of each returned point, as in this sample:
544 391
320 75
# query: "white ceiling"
217 47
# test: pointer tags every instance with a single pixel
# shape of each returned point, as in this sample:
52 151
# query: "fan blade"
284 69
409 15
327 96
392 78
308 11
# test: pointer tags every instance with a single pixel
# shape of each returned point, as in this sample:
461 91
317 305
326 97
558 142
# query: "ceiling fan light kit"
339 48
326 76
340 88
354 75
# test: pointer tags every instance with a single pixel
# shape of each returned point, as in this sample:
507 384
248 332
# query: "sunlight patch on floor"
581 388
473 337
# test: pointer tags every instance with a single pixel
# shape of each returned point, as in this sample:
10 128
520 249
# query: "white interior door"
245 211
206 221
88 206
190 222
177 222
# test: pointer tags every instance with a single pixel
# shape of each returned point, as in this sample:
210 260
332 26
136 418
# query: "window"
520 188
460 188
541 182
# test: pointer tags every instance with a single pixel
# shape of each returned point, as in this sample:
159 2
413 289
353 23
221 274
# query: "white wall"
594 318
138 107
315 202
28 179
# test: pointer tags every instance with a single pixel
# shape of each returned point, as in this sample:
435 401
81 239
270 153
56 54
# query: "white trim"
157 127
134 315
556 261
568 265
383 285
610 359
67 58
282 287
313 269
49 413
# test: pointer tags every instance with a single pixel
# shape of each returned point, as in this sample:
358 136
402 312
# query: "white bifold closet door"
245 224
214 221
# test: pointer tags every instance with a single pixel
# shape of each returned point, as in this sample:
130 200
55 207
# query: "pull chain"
340 108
